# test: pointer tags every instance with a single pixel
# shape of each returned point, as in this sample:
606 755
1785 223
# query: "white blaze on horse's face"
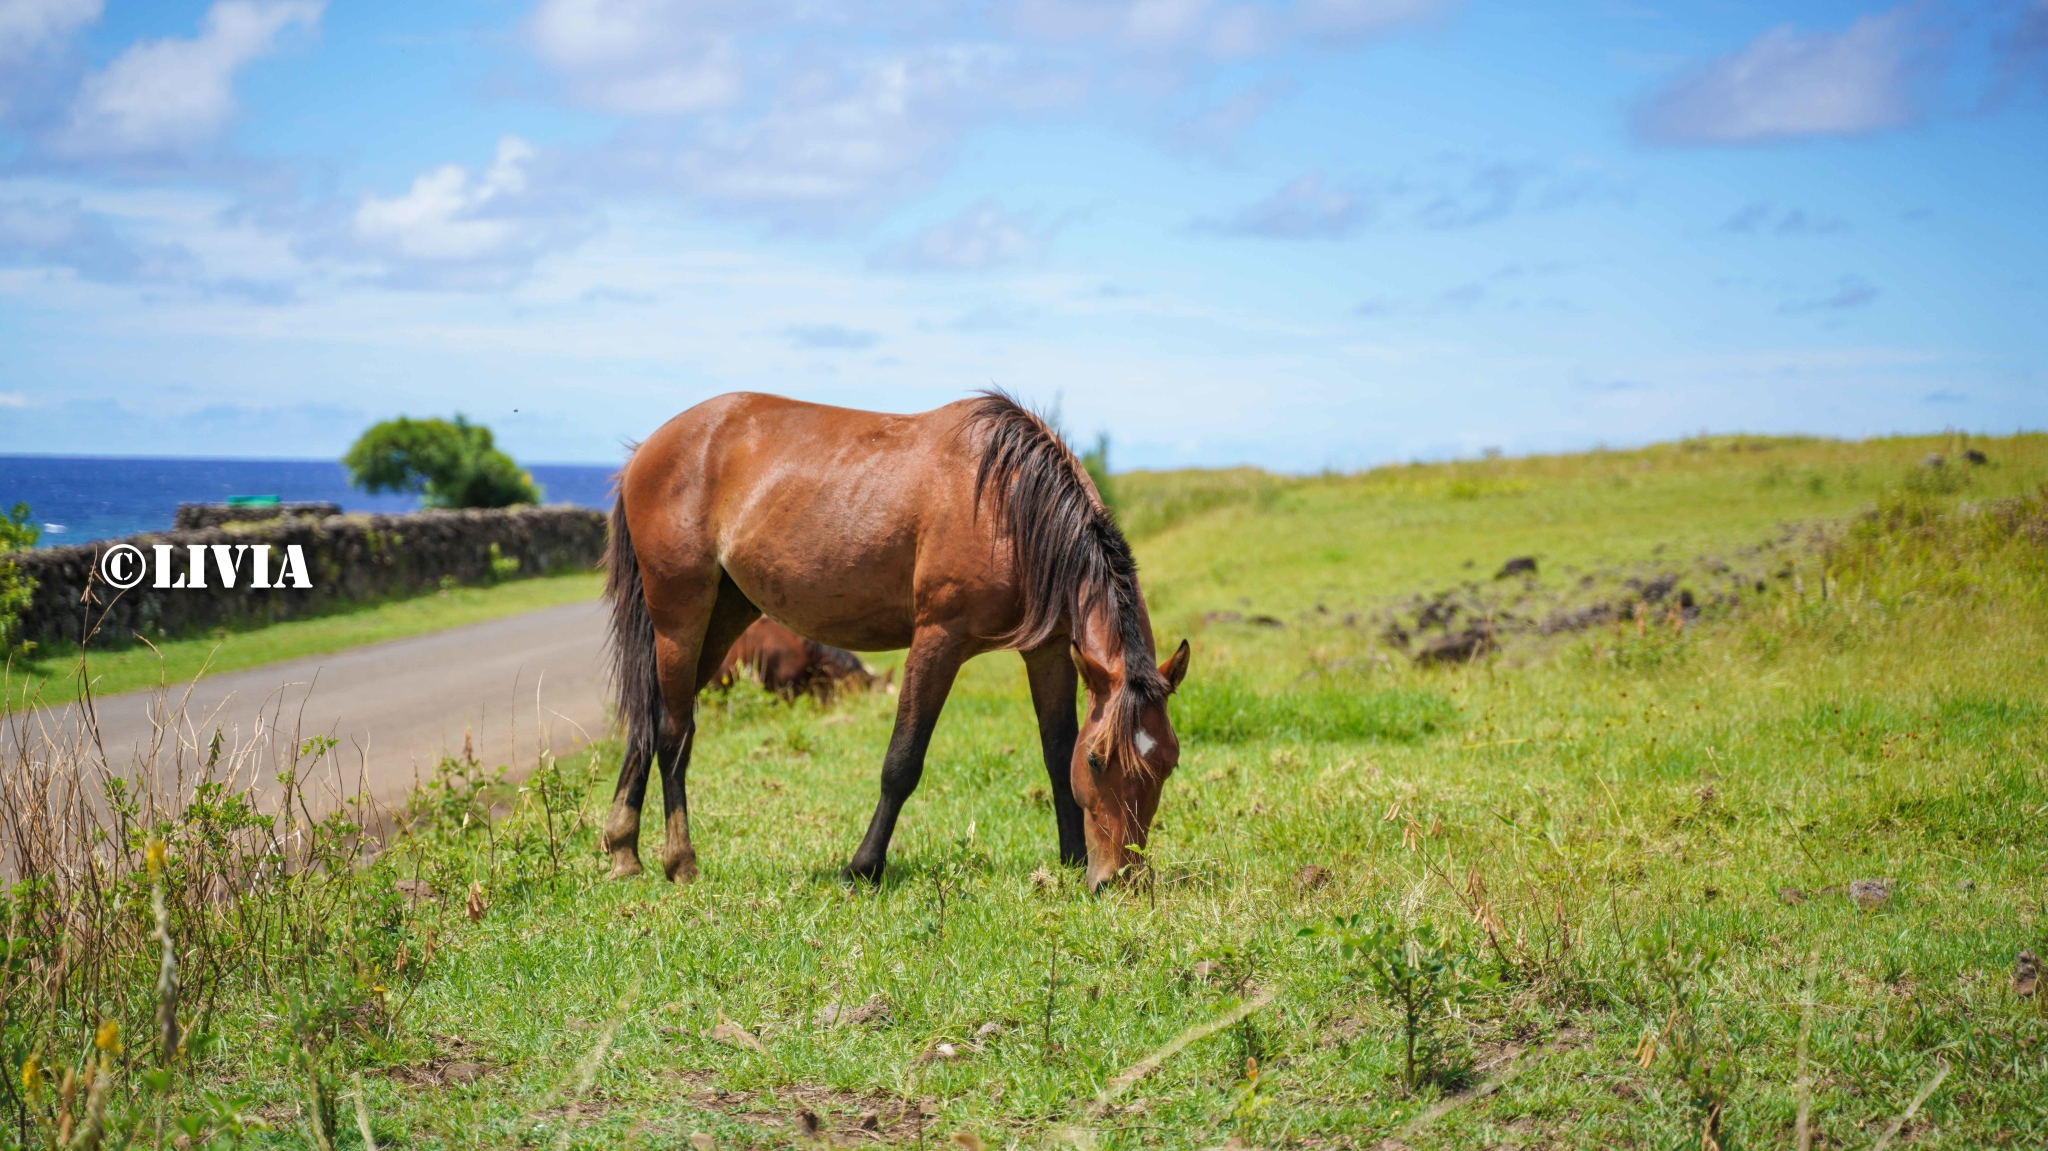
1118 792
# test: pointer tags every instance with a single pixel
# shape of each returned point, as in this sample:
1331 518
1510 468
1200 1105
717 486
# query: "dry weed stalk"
147 881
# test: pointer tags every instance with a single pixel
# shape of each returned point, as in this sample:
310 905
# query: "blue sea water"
78 499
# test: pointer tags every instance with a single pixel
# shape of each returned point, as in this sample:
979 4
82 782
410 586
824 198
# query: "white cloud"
30 26
1850 292
647 57
13 400
1453 191
817 116
463 229
1349 20
1212 30
1786 84
90 245
837 144
173 95
981 237
829 337
2022 52
1218 128
1308 207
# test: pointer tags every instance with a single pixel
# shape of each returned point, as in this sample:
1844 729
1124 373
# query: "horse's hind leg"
622 828
1053 679
687 659
927 679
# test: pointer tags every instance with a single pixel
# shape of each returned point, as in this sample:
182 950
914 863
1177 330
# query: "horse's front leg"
1053 680
928 675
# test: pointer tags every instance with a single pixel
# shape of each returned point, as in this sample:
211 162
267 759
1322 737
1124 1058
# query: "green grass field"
1624 869
52 675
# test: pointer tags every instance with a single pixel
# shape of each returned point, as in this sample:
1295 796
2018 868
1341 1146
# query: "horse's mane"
1070 556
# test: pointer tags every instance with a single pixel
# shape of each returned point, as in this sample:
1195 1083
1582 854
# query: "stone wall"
350 559
192 517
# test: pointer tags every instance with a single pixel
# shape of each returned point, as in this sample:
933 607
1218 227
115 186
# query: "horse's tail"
636 686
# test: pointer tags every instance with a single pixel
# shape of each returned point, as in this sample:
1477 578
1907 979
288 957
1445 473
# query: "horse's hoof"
682 870
870 874
625 865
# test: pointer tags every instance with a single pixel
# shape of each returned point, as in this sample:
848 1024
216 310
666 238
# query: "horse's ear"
1175 668
1093 674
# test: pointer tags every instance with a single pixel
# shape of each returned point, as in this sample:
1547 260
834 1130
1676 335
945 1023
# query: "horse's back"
815 512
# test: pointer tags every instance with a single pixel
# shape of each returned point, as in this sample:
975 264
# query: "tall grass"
147 890
1228 710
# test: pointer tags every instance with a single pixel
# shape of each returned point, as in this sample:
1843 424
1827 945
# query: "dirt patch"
1311 878
846 1118
458 1064
1474 620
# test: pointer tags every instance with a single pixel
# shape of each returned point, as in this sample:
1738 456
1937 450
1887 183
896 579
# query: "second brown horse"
954 532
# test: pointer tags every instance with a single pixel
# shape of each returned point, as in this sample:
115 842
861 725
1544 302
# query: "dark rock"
1461 647
1976 457
1657 589
1519 565
1578 619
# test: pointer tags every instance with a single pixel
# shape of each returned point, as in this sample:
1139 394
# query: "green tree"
17 533
1096 461
452 464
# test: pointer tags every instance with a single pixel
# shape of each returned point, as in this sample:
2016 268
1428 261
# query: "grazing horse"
790 665
968 529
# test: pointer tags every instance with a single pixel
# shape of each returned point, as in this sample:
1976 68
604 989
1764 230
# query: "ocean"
78 499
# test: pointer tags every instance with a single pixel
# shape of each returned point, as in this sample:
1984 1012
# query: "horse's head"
1124 754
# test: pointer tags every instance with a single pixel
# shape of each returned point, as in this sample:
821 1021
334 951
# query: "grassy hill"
1735 815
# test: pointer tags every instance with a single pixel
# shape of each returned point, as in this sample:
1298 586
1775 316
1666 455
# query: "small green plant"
1246 1097
1644 640
950 876
17 533
1096 461
502 565
1702 1066
1417 972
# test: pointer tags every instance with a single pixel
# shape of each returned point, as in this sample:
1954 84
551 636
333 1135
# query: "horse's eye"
1094 762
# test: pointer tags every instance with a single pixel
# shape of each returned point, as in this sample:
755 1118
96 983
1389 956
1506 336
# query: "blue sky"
1301 234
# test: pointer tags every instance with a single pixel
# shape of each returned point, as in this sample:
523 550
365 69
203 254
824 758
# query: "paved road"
514 684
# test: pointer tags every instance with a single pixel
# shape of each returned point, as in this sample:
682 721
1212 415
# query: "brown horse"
954 532
790 665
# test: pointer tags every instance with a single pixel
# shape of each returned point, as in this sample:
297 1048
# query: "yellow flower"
108 1038
32 1075
155 857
